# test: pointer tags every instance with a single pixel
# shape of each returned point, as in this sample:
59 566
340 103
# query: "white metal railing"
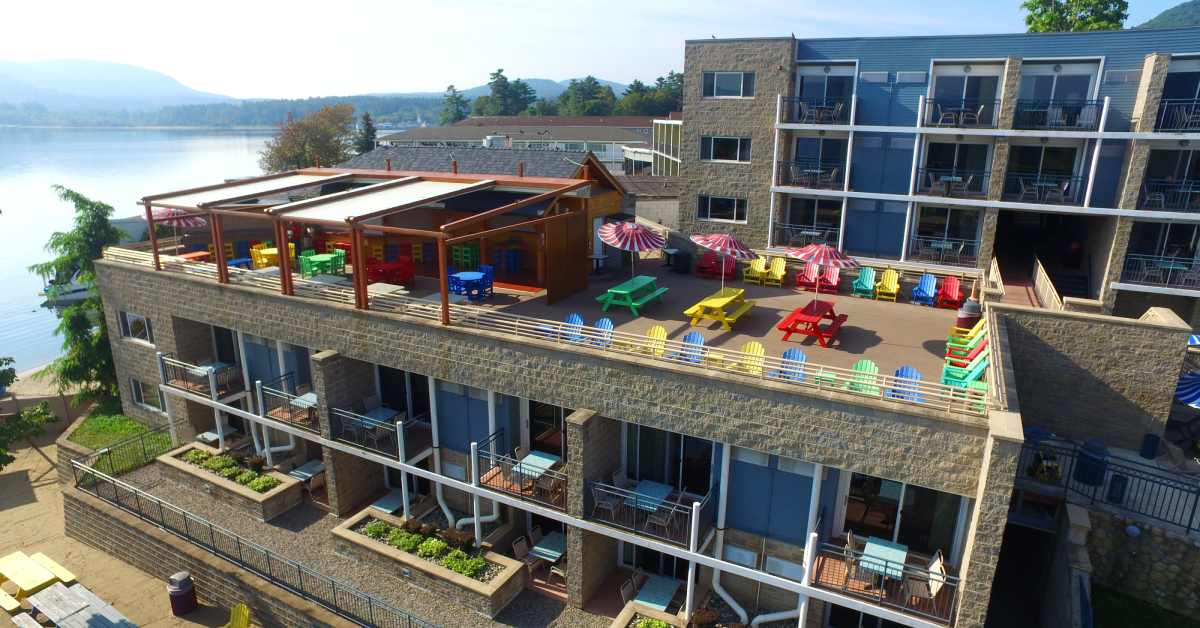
993 282
1162 270
767 369
1044 288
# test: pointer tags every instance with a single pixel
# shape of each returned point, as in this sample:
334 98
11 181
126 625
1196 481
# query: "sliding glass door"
685 463
925 520
547 428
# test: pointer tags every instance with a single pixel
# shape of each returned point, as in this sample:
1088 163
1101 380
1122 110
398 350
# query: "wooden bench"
53 567
732 317
24 620
645 298
9 603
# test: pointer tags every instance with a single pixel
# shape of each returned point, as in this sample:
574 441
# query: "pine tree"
454 106
364 141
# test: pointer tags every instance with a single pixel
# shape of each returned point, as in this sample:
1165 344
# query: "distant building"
635 124
661 158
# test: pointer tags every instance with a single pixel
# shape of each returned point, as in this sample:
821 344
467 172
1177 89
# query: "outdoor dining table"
57 602
196 256
632 294
724 306
323 262
26 574
648 495
535 464
807 321
550 548
884 558
657 592
471 284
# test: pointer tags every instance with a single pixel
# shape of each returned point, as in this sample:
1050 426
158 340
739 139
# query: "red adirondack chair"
831 278
709 265
808 278
962 359
949 294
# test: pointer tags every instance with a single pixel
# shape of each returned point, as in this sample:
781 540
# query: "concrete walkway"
31 520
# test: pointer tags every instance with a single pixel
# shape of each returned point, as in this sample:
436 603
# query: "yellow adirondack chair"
753 356
888 286
656 341
776 273
962 334
755 271
239 617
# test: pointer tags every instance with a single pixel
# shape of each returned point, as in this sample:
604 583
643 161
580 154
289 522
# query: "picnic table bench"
807 321
632 294
725 306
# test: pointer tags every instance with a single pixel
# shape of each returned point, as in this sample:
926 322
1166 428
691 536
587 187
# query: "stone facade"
772 61
261 506
1158 565
350 481
592 441
340 382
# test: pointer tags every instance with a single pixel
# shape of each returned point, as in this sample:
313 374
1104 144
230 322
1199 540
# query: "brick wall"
1158 565
340 382
594 442
350 481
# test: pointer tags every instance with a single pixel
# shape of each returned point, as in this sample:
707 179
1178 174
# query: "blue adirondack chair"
905 387
925 291
573 328
604 339
693 349
792 368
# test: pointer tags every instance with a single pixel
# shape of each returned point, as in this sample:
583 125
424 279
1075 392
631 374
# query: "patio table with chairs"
535 464
633 294
649 495
657 592
550 548
807 322
884 558
725 306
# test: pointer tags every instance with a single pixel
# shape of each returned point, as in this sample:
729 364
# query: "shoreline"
92 127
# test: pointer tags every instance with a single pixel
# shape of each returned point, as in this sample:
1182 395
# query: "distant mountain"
545 88
1186 14
80 85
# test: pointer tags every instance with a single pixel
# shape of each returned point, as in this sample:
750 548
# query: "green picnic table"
632 294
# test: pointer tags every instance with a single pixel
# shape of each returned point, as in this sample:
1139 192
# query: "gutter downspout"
814 502
720 542
437 453
491 406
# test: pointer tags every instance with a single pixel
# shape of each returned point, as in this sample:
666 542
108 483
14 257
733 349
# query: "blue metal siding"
786 496
882 162
1108 173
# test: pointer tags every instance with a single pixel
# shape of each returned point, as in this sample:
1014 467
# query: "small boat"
60 292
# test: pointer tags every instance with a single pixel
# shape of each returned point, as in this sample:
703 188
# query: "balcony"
953 183
375 431
1162 271
204 379
1170 195
831 111
813 174
522 475
283 400
944 251
784 234
919 586
1048 189
1178 114
666 518
1060 115
962 113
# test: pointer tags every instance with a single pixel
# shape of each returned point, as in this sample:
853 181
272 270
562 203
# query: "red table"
807 321
196 256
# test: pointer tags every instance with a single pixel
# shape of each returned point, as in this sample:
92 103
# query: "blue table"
308 470
657 592
648 495
305 401
240 262
535 464
884 558
550 548
472 284
390 503
383 415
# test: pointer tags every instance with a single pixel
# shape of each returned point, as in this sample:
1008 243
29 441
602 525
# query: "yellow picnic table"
24 572
724 306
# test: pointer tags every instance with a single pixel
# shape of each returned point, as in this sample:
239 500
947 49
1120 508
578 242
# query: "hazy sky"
251 48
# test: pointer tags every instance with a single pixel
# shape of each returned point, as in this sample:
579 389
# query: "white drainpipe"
814 502
265 449
437 453
720 542
491 406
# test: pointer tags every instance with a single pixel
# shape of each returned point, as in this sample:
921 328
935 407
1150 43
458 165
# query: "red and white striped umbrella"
823 255
630 236
177 218
724 244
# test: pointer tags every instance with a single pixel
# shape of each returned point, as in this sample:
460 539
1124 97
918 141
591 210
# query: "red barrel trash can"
182 591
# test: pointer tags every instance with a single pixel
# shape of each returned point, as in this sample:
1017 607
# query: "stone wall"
350 481
892 440
1084 375
1159 566
772 61
261 506
340 382
593 442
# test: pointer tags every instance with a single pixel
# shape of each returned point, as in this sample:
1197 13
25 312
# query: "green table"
323 263
632 294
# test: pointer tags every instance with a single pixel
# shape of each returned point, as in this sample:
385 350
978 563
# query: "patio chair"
1154 197
1150 273
604 501
888 287
339 262
1059 194
753 356
964 377
809 277
864 284
560 571
775 273
963 334
755 271
628 592
664 517
831 278
851 553
925 586
535 534
972 118
709 266
693 350
950 294
573 328
489 278
604 338
962 188
932 186
832 116
791 367
833 179
905 385
1029 191
520 548
924 292
956 348
864 377
239 616
962 357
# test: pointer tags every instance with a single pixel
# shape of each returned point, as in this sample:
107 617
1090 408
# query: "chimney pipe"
454 166
520 168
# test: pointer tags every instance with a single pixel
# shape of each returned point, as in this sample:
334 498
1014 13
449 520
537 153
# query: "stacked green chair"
963 376
339 262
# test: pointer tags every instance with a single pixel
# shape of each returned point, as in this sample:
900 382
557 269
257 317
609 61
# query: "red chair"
709 266
808 278
961 359
949 294
831 278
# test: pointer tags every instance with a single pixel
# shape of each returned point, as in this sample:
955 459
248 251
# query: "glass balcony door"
964 96
1057 87
923 519
814 84
1165 239
547 429
1173 165
682 462
1181 86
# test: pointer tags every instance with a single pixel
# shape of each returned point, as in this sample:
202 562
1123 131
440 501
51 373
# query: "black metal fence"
1074 115
131 453
336 596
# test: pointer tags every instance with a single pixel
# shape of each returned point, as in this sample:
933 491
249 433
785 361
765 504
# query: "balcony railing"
1171 195
817 110
666 519
1050 189
1072 115
963 113
284 401
1161 270
506 474
909 588
811 173
203 379
785 234
1178 114
379 436
947 251
953 183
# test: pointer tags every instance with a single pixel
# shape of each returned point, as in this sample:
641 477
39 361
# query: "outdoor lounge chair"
830 279
950 294
852 552
520 549
755 271
864 378
905 385
960 371
656 340
964 377
604 337
753 356
864 284
962 356
925 586
239 616
628 592
693 350
792 366
573 328
709 265
605 501
962 334
925 291
809 277
775 273
888 287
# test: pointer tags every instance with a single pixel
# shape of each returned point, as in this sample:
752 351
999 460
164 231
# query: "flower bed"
265 495
451 549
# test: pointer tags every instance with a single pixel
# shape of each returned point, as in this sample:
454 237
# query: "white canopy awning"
234 191
377 200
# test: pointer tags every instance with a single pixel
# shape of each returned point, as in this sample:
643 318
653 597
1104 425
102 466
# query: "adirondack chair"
963 334
905 385
693 350
925 291
958 349
888 287
864 379
656 341
964 378
864 285
753 356
573 328
792 366
962 360
776 272
239 616
809 277
830 279
709 265
603 338
755 271
950 294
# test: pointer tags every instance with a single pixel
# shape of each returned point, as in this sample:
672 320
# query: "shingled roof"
473 160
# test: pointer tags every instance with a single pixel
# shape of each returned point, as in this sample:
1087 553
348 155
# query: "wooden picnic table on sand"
632 294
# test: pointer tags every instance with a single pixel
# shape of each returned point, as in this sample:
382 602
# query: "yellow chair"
753 356
53 567
888 286
377 250
959 334
416 253
755 271
257 259
239 617
775 274
656 341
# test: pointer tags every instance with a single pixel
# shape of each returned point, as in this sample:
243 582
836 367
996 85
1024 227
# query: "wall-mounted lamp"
828 69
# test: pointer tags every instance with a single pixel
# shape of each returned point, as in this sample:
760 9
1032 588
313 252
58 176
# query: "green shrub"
432 548
405 541
229 473
263 483
459 562
647 622
378 530
218 462
245 477
196 456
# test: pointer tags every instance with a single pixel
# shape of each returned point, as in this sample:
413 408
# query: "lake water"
116 166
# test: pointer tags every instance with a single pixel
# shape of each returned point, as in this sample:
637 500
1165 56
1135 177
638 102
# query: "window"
721 208
725 148
135 326
147 396
728 85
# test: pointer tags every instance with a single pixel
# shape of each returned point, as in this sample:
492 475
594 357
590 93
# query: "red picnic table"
196 256
807 321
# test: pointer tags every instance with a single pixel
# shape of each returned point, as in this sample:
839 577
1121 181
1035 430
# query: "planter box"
485 598
262 506
633 609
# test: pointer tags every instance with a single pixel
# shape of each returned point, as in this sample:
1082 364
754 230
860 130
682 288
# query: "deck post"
402 454
691 577
285 257
475 496
360 269
162 378
153 236
443 280
214 223
262 411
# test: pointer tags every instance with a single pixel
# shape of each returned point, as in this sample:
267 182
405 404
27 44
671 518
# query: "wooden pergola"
381 194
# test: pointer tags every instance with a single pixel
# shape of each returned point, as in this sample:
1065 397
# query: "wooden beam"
492 213
360 270
406 231
153 236
285 258
214 223
498 230
443 281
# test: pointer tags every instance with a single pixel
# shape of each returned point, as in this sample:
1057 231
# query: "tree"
86 362
8 374
586 97
29 423
640 99
543 107
505 98
454 106
1054 16
364 141
325 137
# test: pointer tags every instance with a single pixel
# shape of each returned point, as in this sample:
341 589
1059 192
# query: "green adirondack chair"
864 285
962 376
965 346
864 378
